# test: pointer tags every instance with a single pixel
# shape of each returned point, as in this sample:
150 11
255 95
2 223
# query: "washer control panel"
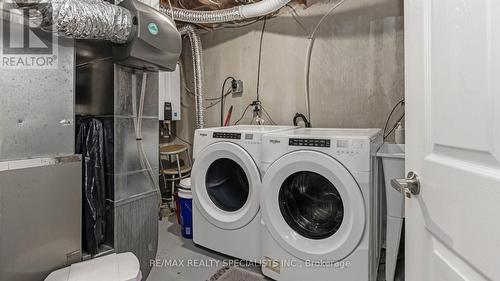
230 136
309 142
348 147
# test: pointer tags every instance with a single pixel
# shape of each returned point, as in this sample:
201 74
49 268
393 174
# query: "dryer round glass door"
312 206
226 185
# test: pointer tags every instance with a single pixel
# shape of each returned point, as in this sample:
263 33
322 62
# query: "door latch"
409 186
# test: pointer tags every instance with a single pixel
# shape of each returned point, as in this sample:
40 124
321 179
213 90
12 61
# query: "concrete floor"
203 263
198 264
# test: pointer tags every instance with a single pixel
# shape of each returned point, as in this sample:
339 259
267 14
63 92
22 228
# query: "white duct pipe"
262 8
242 12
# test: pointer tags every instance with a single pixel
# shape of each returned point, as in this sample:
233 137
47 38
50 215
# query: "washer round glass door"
226 185
312 206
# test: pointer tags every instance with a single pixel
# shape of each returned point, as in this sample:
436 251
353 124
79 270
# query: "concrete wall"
357 68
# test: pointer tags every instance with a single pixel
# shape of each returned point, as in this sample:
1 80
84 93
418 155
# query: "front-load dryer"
226 187
319 205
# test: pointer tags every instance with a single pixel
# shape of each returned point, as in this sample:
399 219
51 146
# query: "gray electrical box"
154 44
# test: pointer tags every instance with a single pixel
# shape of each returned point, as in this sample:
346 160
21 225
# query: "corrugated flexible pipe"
83 19
197 54
242 12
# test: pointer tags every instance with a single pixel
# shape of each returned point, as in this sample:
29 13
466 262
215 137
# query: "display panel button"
310 142
231 136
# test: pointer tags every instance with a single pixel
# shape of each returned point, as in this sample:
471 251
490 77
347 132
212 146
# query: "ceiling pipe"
241 12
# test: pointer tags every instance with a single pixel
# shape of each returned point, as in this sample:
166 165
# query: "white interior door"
453 139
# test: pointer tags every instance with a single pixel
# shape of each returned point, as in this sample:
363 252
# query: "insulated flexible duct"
197 54
242 12
219 16
83 19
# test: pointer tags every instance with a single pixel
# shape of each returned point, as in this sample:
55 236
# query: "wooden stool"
175 170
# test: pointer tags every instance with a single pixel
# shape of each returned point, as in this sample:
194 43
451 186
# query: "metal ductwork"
144 37
82 19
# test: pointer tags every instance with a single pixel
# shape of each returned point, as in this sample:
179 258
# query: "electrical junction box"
170 92
237 87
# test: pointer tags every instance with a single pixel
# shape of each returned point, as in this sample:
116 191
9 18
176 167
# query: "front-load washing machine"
226 183
319 205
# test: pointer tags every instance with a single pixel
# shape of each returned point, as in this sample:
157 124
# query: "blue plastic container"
186 205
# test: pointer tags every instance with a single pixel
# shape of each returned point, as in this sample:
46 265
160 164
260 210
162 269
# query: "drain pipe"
241 12
197 54
82 19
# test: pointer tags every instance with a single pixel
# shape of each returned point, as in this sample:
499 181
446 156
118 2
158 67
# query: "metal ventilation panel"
36 116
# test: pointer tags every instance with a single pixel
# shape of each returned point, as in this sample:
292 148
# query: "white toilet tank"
114 267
